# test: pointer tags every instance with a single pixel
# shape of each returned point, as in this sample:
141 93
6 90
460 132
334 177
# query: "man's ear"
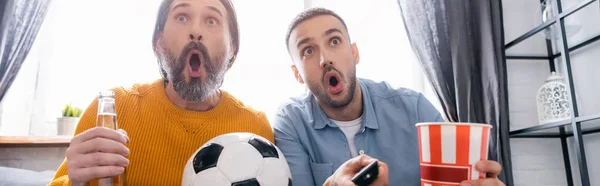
297 74
158 45
232 50
355 53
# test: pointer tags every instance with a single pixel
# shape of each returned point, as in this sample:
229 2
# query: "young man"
196 42
343 116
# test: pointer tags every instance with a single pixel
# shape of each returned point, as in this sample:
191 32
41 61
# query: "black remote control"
366 175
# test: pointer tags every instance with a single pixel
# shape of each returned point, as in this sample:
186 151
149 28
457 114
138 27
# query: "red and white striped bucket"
449 151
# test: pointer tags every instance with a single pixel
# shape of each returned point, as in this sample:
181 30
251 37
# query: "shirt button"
363 130
361 152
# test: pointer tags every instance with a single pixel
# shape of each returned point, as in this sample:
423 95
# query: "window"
82 48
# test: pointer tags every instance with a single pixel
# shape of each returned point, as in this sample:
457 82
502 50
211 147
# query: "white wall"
540 161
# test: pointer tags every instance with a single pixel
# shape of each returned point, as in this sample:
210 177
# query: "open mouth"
333 81
195 62
195 59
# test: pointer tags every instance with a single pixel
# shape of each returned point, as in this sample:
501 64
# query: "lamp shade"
553 102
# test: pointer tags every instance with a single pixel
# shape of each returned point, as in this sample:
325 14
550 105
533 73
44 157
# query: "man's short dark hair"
307 14
161 20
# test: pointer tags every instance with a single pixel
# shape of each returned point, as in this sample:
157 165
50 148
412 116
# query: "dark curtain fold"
460 45
21 21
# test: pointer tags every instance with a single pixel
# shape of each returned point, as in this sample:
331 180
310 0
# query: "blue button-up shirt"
315 147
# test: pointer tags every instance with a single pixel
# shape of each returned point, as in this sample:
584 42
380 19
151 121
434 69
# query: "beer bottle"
107 117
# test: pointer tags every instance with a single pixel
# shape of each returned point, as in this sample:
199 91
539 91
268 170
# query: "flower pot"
66 126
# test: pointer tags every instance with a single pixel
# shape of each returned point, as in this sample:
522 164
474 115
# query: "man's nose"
196 31
324 60
193 38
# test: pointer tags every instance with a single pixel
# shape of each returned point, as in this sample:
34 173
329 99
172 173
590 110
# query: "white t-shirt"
350 128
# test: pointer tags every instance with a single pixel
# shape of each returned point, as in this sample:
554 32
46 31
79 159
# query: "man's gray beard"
196 90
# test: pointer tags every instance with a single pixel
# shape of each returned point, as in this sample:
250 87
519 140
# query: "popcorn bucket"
449 151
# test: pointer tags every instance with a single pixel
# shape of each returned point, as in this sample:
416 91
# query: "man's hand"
343 175
492 170
96 153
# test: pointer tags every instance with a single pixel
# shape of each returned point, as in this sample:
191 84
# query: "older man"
196 42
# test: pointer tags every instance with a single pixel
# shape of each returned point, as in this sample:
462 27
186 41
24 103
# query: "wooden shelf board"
35 140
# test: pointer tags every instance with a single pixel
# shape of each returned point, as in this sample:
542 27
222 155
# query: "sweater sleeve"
87 121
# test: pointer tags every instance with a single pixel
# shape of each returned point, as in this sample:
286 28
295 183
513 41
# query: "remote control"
366 175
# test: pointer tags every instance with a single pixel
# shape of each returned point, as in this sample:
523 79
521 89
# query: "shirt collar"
368 115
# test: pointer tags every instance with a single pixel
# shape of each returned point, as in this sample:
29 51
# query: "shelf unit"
577 125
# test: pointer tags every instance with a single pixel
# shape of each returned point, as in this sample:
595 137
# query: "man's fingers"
102 145
383 176
100 159
491 168
482 182
364 160
124 133
383 168
355 164
99 132
97 172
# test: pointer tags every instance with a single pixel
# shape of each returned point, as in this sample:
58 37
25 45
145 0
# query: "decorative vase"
66 126
553 101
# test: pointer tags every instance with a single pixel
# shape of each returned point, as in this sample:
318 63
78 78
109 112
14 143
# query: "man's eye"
181 18
334 41
308 51
211 21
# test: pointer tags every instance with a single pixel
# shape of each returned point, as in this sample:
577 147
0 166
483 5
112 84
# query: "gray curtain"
20 23
460 44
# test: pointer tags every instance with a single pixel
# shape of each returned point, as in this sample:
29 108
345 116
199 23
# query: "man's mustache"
330 68
194 46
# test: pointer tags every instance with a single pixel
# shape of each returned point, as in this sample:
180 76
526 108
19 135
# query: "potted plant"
67 123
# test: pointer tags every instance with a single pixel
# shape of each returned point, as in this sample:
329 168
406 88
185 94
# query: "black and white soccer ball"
237 159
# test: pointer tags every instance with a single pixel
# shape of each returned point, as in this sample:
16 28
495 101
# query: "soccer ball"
237 159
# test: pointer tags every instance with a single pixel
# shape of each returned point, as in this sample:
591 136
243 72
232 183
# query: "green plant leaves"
70 111
77 112
66 110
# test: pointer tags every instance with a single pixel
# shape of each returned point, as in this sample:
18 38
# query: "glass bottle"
107 117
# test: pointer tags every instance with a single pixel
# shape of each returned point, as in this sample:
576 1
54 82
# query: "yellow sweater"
163 136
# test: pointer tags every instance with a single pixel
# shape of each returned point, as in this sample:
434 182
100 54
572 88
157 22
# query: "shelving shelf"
578 125
534 132
572 49
547 24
